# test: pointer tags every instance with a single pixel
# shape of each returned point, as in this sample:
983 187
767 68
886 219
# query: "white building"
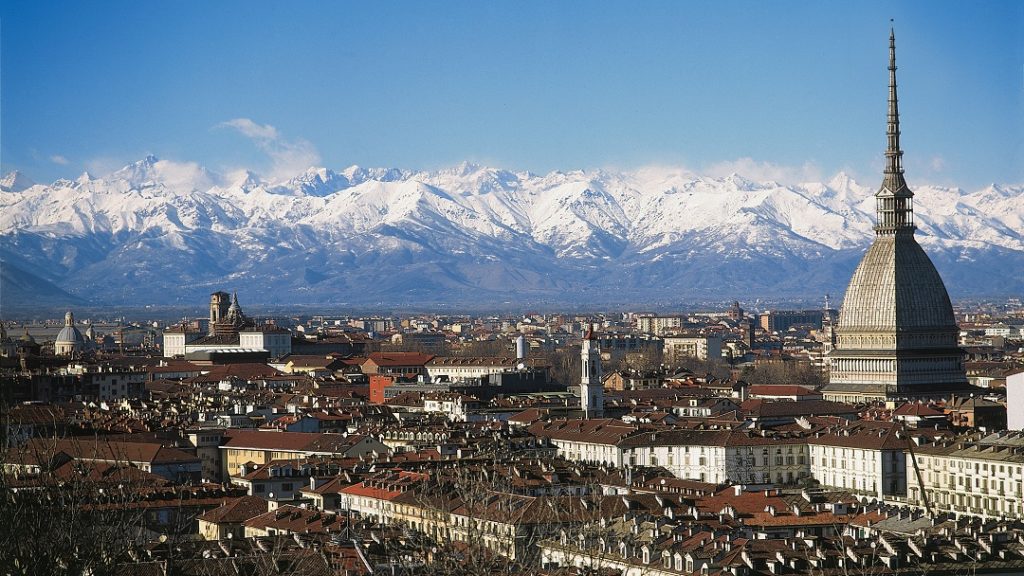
461 369
862 457
867 458
179 341
1015 401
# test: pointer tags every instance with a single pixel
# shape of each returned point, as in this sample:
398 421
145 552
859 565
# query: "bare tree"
59 516
565 365
484 348
715 367
784 373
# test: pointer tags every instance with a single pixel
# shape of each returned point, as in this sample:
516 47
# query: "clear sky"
781 89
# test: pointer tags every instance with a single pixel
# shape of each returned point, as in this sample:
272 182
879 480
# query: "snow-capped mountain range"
160 232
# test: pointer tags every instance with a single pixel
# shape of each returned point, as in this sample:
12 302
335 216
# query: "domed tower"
8 347
736 312
69 340
218 309
235 316
897 335
27 345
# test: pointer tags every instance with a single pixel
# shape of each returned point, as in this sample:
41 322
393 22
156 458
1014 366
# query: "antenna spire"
894 204
893 154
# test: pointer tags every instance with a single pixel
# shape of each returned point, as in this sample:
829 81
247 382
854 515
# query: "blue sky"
790 90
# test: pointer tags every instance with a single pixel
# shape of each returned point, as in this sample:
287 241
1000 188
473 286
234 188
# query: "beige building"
972 476
261 447
678 348
658 325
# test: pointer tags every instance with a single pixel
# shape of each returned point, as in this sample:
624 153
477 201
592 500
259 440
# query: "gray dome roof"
69 335
896 288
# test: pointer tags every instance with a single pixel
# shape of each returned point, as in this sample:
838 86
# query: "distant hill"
20 289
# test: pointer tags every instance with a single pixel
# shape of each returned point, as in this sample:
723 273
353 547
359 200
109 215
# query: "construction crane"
917 471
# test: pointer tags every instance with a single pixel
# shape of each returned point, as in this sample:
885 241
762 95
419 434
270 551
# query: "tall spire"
893 154
895 204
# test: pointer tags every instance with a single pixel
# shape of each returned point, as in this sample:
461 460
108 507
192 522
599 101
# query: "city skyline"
579 311
788 93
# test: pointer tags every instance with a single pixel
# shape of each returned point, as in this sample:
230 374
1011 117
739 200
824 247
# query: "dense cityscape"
877 433
627 442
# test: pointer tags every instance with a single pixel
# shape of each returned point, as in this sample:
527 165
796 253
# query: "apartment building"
975 475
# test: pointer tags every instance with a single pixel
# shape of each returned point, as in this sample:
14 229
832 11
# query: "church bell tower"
591 387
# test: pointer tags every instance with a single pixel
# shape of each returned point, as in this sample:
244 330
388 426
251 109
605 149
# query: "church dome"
69 335
69 339
896 288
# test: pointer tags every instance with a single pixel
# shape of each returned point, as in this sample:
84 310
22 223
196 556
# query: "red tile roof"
917 409
781 390
297 521
391 359
289 441
236 510
108 450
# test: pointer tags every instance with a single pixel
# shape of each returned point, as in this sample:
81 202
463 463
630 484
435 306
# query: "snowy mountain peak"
468 231
138 173
742 183
465 168
243 179
317 181
15 182
841 181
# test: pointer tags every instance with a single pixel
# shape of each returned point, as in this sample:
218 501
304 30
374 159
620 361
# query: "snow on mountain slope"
170 231
15 182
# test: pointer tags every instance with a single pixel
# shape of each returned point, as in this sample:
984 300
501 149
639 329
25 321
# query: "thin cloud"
184 175
58 159
287 157
250 129
761 171
103 165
